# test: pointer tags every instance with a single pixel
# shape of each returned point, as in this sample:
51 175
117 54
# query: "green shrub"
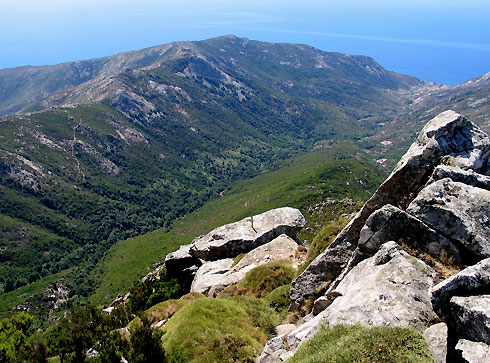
279 299
355 343
145 294
146 345
219 330
262 280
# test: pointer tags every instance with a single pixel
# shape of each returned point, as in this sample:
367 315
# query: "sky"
443 41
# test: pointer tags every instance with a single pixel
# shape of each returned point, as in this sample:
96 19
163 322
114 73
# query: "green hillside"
302 183
134 151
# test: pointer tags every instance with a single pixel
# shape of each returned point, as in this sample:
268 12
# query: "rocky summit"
416 253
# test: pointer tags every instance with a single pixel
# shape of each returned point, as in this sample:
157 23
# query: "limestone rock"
436 338
448 134
243 236
473 352
209 273
458 210
471 317
280 248
468 177
472 280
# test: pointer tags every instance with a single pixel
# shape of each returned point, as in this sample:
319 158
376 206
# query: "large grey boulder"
471 317
436 338
243 236
448 137
209 273
457 210
282 248
472 352
392 288
472 280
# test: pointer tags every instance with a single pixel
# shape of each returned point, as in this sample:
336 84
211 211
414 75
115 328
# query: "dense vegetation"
316 183
132 152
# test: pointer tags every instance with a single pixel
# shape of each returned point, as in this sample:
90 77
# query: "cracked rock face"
468 177
459 210
391 288
447 138
472 280
471 316
243 236
392 224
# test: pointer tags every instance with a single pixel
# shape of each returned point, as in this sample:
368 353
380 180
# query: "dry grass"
442 264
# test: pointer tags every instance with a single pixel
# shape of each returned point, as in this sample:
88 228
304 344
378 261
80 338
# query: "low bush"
279 299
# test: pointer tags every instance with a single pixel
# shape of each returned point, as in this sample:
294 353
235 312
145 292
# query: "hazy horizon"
435 40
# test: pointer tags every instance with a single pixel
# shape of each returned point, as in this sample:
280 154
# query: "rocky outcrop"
243 236
468 177
435 205
447 139
390 223
462 301
205 265
391 288
209 273
473 280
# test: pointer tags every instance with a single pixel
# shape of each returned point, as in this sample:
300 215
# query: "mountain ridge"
74 73
163 140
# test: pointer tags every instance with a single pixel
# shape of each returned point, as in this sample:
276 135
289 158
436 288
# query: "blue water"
441 41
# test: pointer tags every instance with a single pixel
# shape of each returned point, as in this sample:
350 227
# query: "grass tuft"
262 280
356 343
219 330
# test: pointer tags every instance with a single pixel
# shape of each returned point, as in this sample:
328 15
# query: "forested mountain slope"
154 134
